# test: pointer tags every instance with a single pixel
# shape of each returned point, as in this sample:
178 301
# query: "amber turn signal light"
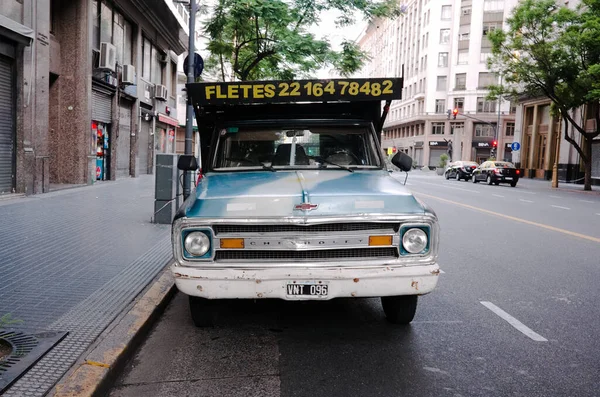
232 243
380 240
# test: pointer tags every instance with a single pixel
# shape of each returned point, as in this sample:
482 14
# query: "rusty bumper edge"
94 375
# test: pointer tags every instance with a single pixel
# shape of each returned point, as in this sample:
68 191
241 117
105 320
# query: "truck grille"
316 255
308 229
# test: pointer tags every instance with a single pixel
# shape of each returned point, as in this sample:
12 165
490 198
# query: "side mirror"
187 162
402 161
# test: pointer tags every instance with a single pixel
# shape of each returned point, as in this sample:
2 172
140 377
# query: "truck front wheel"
202 311
399 309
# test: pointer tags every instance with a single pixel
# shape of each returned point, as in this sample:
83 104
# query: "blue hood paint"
274 194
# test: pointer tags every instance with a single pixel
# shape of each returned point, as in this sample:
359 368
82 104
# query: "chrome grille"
308 229
325 255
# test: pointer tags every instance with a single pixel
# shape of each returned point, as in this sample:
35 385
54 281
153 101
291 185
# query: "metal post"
189 114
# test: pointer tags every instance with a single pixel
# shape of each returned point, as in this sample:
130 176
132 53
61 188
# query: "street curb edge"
94 375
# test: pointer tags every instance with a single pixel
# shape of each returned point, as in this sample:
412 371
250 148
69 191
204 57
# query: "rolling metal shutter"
101 107
124 139
434 156
7 124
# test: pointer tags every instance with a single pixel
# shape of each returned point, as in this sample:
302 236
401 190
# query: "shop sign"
419 144
482 145
438 143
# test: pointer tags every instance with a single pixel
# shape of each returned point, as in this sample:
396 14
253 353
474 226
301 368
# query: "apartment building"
440 48
88 90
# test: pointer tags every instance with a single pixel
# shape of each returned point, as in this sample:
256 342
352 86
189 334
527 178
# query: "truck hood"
276 194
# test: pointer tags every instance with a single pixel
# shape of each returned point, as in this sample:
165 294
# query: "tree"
554 51
268 39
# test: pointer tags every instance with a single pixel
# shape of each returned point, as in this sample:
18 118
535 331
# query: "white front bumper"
271 282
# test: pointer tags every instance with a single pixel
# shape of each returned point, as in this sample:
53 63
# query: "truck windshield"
293 147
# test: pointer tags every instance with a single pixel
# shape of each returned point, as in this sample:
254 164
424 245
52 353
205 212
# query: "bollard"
165 191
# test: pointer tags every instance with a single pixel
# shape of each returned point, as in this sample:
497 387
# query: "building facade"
93 88
441 50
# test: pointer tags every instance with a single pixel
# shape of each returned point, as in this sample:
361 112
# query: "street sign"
515 146
198 65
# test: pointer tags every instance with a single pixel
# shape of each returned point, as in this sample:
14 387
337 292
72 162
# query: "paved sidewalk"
72 260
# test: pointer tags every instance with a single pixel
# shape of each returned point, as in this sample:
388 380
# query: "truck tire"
399 309
202 311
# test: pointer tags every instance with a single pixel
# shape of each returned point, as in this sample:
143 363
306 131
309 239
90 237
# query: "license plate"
508 178
306 289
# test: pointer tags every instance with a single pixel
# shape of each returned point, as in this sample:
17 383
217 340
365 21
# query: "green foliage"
7 320
443 161
551 50
269 39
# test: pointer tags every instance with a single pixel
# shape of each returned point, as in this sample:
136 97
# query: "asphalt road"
515 314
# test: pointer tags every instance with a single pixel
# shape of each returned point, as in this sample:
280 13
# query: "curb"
94 374
564 189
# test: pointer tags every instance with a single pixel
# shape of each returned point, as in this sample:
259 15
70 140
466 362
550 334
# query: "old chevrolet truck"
295 200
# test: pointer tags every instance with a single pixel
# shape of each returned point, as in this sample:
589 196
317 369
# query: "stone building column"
534 132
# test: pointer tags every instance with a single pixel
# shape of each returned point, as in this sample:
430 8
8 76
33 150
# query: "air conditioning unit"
108 56
128 74
160 92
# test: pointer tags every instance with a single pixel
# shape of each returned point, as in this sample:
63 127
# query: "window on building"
486 79
465 10
444 36
510 129
463 57
460 82
513 108
95 25
106 23
484 130
459 103
464 36
443 59
440 106
490 27
456 128
493 5
442 83
437 128
446 13
485 105
146 58
173 89
485 55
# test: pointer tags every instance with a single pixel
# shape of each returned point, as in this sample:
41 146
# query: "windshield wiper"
322 160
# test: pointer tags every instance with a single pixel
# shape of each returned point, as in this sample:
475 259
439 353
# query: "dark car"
496 172
461 170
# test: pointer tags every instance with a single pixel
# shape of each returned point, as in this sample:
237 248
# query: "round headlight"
414 241
197 243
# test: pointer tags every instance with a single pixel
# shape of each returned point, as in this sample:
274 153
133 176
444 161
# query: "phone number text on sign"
303 90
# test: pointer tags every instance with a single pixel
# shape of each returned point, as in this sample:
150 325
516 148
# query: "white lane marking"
555 197
562 208
436 370
514 322
526 201
598 213
527 192
587 201
497 195
451 187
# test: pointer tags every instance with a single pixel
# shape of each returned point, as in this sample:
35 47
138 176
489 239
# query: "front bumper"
375 281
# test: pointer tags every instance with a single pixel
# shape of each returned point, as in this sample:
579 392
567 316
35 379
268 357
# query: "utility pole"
497 128
189 113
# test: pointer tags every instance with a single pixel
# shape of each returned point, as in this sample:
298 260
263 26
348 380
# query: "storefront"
7 117
101 130
418 157
165 134
124 138
507 152
482 151
436 150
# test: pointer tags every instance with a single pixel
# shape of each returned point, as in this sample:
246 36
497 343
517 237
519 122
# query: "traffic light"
495 144
455 113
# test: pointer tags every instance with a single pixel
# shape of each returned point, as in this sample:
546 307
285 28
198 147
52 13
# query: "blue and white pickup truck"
295 201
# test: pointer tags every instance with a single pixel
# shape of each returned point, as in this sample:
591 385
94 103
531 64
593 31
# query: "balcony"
465 19
463 44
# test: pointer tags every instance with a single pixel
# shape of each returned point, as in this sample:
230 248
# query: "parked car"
497 172
460 170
